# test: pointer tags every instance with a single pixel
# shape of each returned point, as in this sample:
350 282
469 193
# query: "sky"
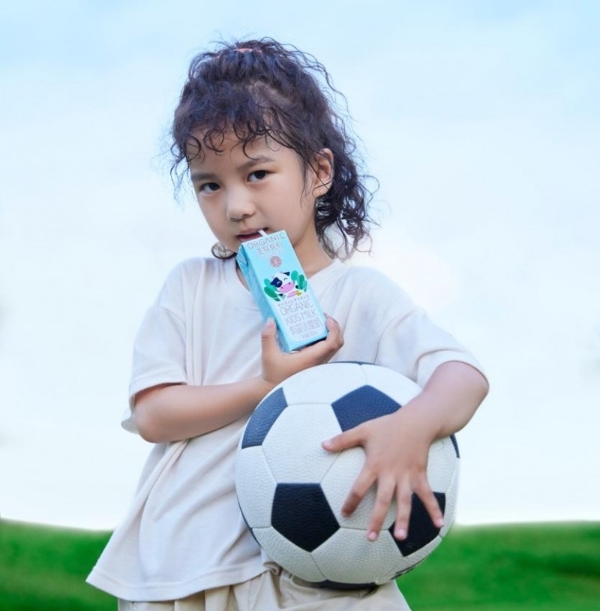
481 121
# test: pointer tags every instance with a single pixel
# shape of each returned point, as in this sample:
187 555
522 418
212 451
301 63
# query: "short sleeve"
159 355
415 346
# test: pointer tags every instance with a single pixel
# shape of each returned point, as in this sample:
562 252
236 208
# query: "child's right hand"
278 365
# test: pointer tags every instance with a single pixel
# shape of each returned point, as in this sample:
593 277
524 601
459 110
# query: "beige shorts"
271 592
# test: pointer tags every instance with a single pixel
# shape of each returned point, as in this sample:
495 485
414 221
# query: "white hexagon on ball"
255 487
313 385
293 448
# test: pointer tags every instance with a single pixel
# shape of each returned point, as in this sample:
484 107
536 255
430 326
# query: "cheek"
208 211
211 217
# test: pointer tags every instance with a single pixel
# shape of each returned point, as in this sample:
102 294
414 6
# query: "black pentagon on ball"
455 444
421 529
362 404
336 585
302 515
263 418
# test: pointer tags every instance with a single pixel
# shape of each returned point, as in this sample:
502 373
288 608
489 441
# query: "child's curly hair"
261 88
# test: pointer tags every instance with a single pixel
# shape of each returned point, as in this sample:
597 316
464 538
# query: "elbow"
145 425
484 385
476 382
145 417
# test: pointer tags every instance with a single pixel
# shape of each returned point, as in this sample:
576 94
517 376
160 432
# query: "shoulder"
196 269
361 273
184 280
355 294
373 284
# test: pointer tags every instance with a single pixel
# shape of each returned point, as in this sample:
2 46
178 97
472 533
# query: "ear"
322 172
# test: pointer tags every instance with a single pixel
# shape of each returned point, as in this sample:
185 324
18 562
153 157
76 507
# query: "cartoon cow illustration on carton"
285 285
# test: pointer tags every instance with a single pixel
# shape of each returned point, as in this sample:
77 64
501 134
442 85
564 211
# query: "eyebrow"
198 175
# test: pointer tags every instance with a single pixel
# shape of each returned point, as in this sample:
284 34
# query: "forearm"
449 399
179 411
175 412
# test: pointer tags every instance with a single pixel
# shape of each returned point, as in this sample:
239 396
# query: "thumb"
268 336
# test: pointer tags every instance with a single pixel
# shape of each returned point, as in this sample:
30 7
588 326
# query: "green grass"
44 568
542 567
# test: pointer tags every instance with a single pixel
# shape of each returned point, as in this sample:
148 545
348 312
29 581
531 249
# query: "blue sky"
481 121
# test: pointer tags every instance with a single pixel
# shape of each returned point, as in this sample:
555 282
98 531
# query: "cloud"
481 121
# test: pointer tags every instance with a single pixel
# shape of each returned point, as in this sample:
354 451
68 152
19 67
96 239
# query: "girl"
265 150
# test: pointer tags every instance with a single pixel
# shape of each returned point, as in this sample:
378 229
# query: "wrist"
264 387
417 417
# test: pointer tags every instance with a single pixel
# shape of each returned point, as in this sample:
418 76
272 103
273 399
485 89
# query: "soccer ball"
290 490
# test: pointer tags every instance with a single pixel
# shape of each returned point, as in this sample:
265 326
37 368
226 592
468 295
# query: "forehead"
229 149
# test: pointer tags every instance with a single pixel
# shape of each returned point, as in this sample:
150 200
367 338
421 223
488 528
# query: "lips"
248 235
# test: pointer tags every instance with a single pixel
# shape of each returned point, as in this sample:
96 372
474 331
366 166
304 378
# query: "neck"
311 255
317 264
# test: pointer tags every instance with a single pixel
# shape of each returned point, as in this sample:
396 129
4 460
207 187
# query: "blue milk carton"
280 287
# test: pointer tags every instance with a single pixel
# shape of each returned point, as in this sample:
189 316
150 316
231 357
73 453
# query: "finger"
331 323
268 337
360 487
335 336
383 499
348 439
431 505
404 505
323 350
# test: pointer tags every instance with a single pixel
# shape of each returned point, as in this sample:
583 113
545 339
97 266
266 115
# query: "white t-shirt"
184 532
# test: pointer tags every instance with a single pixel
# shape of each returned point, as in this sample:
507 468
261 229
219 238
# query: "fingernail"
439 522
372 536
327 444
400 533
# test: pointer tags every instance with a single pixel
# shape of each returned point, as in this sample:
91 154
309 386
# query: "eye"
257 175
208 187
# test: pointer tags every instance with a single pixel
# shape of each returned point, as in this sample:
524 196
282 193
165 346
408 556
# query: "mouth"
246 236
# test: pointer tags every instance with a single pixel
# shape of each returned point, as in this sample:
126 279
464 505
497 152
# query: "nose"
239 205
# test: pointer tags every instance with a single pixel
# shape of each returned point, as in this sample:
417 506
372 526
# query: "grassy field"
550 567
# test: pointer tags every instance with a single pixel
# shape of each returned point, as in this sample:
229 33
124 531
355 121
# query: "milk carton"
281 290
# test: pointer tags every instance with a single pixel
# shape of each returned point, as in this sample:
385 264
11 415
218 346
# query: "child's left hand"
397 446
397 449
